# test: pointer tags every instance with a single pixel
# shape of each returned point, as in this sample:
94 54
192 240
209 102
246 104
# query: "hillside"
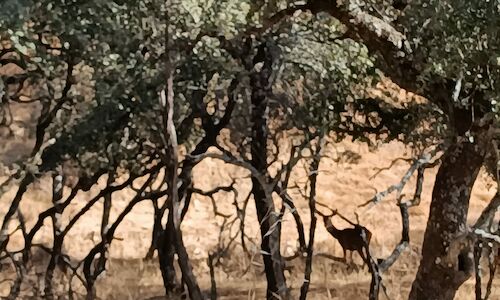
344 183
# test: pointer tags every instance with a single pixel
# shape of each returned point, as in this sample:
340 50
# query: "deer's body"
349 238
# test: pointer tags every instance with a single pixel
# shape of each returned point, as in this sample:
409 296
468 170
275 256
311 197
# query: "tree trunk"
446 263
172 179
57 194
266 214
313 176
166 256
163 239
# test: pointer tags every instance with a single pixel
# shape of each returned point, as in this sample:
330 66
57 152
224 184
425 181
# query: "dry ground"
344 183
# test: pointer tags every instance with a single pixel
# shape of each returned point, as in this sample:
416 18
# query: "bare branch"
228 158
423 160
91 268
210 194
486 235
403 244
380 170
488 213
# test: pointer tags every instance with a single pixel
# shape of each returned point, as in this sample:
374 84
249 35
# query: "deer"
351 239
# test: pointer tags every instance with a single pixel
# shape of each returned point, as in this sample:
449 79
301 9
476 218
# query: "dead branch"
230 159
403 244
210 194
422 161
488 213
221 249
485 235
280 187
418 188
380 170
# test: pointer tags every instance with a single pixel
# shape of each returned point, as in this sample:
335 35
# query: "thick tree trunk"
266 214
446 263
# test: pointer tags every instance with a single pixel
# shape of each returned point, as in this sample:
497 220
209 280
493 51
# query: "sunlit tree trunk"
447 262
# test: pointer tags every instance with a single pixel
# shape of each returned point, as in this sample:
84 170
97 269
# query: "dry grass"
343 184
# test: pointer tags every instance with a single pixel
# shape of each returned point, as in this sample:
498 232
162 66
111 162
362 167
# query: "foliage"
99 67
466 52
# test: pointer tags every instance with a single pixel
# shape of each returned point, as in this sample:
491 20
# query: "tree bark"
446 262
166 256
266 214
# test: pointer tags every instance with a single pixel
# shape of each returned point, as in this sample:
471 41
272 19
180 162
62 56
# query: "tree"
257 69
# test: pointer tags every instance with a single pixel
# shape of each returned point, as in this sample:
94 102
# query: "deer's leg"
355 266
346 261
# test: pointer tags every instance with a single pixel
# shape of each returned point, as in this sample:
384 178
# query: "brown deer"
349 238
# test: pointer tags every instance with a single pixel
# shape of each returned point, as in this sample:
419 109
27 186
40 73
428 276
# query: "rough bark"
266 214
446 262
